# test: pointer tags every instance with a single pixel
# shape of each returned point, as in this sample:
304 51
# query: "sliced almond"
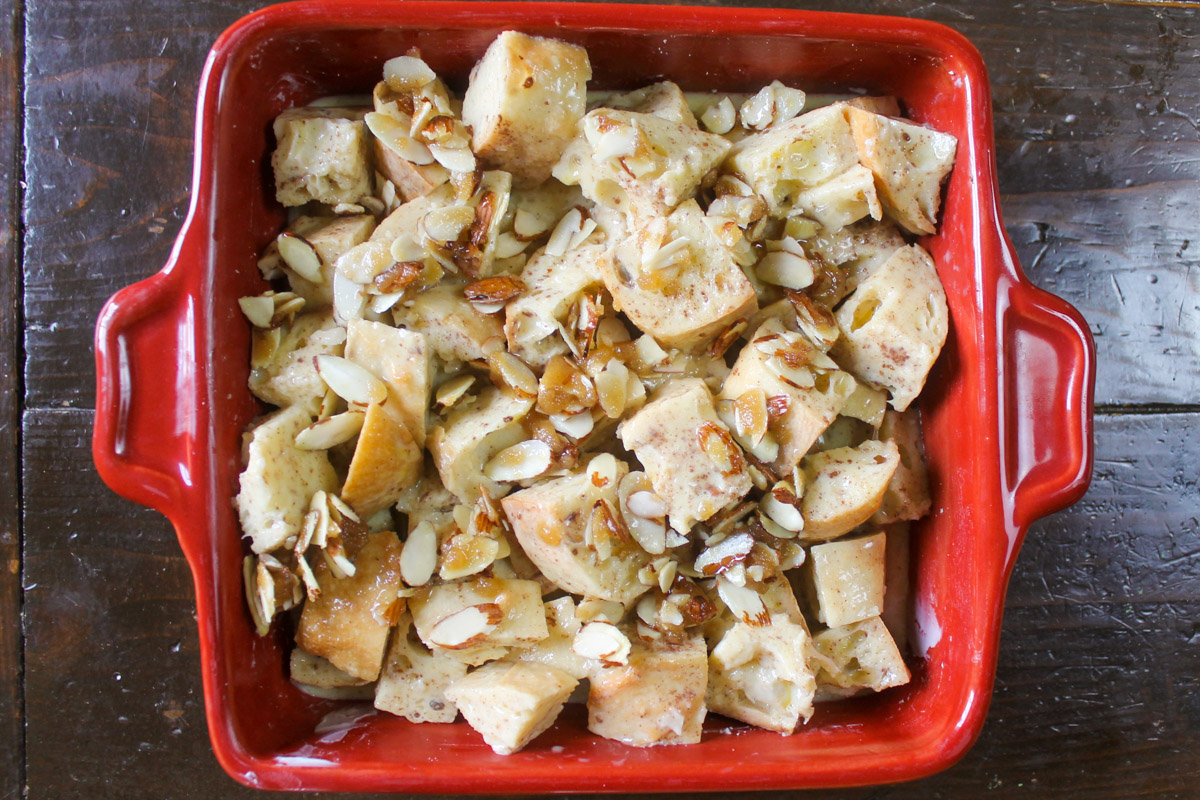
453 390
466 628
570 225
529 225
352 383
605 531
259 310
746 604
612 386
750 416
647 505
520 462
577 426
602 470
785 269
594 609
406 73
724 554
331 431
498 289
398 277
602 641
720 447
447 223
300 256
349 299
455 159
783 507
467 554
720 117
396 136
773 528
418 559
509 372
262 621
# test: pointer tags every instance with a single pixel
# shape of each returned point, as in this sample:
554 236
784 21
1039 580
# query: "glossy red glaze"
1007 410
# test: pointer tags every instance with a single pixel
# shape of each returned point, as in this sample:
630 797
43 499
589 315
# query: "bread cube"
321 154
907 495
279 480
454 328
289 375
848 576
844 487
555 650
887 105
348 623
414 681
638 163
386 461
553 285
909 161
807 410
559 527
477 620
799 154
310 670
897 608
331 237
842 200
523 101
403 359
411 180
691 458
471 435
657 698
760 675
859 655
687 304
894 325
664 100
511 703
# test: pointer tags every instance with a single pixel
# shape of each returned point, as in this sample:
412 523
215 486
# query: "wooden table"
1098 125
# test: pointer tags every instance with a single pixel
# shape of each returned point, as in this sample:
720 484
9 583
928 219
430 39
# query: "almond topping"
746 604
466 628
406 73
419 556
300 256
326 433
259 310
509 372
453 390
398 276
520 462
724 554
352 383
602 641
720 447
750 416
467 554
499 289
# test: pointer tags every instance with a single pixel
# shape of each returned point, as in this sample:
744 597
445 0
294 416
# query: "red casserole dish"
1007 411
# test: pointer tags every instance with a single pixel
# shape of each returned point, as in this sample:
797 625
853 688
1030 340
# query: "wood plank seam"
18 377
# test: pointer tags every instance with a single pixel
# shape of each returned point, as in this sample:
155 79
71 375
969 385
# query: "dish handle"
144 431
1049 379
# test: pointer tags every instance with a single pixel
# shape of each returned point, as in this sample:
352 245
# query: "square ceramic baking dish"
1007 411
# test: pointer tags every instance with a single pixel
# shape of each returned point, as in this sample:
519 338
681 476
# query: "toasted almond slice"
300 256
498 289
720 117
259 310
612 386
520 462
452 390
264 344
418 559
603 470
406 73
287 305
604 531
396 136
594 609
666 575
326 433
262 624
647 505
568 226
528 225
382 303
467 554
796 377
785 269
455 159
750 416
720 447
746 604
724 554
466 628
447 223
509 372
577 426
783 507
508 245
311 588
349 299
352 383
602 641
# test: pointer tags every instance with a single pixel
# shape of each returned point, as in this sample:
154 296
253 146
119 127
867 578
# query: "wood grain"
12 751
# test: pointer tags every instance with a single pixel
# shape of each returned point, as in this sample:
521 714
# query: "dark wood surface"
1098 127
